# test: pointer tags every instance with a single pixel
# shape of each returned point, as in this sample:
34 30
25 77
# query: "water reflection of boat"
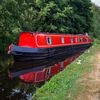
39 56
28 73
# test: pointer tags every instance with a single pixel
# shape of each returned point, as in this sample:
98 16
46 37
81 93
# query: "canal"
13 89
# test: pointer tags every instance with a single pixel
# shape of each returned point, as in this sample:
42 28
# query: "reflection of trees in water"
12 89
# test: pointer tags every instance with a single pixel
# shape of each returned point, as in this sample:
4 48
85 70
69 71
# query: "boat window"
86 39
49 41
71 40
81 39
63 40
76 39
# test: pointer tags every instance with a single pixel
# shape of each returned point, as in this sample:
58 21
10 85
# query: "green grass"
63 85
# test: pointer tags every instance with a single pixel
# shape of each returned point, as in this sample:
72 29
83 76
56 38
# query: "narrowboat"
39 56
39 47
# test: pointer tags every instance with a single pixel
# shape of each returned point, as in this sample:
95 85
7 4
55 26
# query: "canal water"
13 89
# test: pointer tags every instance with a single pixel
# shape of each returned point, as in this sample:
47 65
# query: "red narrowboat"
40 46
41 55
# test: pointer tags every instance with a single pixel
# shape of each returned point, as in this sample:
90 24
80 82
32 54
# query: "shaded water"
13 89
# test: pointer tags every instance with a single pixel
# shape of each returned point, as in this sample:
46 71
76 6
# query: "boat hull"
41 54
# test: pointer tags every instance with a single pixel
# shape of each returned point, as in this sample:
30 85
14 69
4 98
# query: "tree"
56 16
82 15
96 21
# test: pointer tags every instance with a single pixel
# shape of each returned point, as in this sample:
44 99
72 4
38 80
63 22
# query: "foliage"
96 21
59 16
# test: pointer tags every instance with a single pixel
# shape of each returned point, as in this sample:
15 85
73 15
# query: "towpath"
90 83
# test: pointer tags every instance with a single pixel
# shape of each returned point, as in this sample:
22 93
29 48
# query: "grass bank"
63 84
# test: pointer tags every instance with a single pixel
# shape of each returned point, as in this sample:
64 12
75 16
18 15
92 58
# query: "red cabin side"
40 40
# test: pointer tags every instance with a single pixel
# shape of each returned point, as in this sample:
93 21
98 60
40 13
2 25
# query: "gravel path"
90 83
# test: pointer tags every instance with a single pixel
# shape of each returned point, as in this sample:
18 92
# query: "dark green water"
13 89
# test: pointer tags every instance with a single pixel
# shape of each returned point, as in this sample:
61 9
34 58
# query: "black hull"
30 63
41 54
